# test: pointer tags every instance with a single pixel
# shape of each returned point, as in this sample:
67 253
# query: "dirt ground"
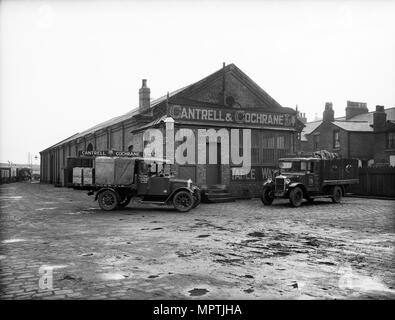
237 250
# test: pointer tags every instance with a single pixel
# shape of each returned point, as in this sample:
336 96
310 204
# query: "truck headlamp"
287 181
269 180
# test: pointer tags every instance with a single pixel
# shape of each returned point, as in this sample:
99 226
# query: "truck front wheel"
336 194
267 196
296 197
183 201
108 200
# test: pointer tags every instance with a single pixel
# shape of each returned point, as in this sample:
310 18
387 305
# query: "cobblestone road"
238 250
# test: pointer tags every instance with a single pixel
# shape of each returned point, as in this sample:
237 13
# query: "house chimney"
329 114
144 96
355 108
301 116
379 118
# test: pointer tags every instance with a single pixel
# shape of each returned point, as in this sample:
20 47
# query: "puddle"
72 213
41 209
365 283
197 292
203 236
256 234
113 276
71 278
153 276
13 240
10 197
87 254
52 267
2 257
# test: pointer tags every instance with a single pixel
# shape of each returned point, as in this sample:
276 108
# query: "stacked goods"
114 171
77 175
104 170
124 171
87 176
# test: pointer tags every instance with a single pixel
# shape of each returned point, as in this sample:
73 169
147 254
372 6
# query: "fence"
378 181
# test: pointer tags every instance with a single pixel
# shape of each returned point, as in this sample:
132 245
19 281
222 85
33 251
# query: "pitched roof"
181 95
368 116
357 126
309 128
364 117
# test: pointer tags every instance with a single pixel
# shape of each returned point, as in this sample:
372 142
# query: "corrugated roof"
358 126
116 120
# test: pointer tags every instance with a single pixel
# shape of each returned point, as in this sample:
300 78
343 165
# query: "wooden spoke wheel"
296 197
108 200
183 201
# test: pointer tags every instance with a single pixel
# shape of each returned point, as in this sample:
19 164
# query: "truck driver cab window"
310 167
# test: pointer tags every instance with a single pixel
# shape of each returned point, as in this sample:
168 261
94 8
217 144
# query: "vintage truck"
310 178
116 180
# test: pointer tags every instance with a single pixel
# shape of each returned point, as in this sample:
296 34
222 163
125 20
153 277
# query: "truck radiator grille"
280 184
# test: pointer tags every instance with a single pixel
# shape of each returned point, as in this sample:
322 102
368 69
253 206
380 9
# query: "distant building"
368 136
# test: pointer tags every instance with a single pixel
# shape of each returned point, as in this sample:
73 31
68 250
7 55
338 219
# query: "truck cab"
310 178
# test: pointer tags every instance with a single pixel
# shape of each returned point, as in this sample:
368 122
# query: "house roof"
367 118
309 128
182 96
358 126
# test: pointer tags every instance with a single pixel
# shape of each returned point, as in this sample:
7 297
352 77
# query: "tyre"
125 201
296 197
196 198
108 200
183 201
267 196
336 194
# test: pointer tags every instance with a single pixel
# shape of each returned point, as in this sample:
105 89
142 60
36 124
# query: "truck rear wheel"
267 196
183 201
296 197
108 200
336 194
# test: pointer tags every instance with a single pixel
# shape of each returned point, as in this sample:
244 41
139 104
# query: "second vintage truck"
310 178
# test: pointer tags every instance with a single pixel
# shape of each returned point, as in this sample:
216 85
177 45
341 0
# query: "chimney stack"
379 118
144 96
355 108
329 114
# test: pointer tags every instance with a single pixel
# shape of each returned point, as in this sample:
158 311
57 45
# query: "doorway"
213 171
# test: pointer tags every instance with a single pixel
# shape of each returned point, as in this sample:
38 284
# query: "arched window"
89 147
130 148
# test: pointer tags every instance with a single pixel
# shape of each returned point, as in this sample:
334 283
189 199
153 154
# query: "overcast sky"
68 65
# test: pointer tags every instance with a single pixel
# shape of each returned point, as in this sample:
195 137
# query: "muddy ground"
237 250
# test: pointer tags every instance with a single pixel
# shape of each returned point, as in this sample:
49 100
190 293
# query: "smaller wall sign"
109 153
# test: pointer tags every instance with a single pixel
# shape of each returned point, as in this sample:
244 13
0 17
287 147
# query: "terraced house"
363 134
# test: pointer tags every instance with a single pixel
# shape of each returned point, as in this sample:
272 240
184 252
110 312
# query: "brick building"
227 99
368 136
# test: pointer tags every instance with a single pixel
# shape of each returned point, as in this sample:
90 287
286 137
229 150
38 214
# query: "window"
316 141
89 147
336 139
391 140
280 142
130 148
